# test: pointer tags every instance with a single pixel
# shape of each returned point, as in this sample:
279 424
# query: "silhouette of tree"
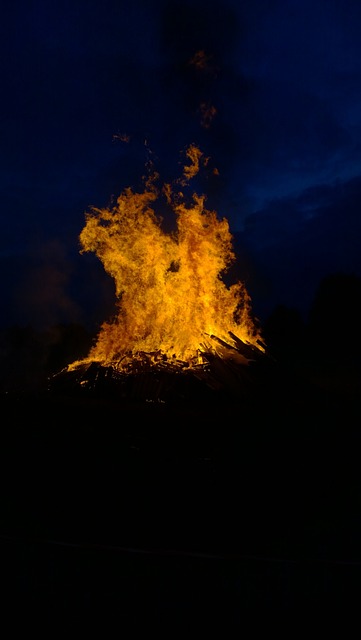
284 333
69 342
335 319
28 357
22 358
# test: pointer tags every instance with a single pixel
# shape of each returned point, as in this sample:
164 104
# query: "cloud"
296 242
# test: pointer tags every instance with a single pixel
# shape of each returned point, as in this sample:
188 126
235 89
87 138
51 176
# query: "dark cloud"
296 242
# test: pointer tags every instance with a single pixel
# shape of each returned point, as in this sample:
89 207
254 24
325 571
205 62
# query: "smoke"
42 296
198 45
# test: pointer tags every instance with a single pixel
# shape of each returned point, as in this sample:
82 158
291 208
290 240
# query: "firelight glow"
170 295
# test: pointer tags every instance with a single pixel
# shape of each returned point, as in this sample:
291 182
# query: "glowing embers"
218 373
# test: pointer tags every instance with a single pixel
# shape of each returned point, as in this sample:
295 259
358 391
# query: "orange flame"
170 295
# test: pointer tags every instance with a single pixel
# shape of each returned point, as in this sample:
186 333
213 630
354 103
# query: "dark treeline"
30 356
330 335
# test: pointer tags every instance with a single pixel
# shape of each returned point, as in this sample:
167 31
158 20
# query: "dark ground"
190 513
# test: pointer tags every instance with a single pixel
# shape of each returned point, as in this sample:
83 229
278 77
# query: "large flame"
170 295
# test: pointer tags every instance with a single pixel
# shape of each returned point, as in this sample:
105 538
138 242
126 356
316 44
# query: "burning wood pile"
179 330
220 371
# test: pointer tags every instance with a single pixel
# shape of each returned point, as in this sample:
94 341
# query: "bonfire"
173 308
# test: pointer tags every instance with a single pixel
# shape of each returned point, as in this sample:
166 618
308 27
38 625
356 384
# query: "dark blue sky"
284 81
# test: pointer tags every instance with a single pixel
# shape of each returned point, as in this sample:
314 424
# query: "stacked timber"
219 369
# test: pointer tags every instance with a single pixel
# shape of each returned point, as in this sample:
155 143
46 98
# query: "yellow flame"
170 295
190 170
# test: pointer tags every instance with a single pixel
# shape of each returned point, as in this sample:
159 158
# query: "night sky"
92 90
232 486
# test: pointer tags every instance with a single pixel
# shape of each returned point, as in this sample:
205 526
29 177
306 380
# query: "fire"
171 298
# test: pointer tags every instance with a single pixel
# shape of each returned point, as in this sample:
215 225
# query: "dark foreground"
178 515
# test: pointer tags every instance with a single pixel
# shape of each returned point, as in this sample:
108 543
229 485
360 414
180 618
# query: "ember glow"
171 299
